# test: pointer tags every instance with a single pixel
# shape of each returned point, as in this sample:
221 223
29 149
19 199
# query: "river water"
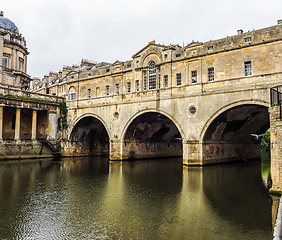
92 198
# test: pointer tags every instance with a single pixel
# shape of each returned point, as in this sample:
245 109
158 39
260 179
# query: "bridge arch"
152 133
227 134
89 136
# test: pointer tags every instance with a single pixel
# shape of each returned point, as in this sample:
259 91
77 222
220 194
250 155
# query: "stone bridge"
201 102
205 123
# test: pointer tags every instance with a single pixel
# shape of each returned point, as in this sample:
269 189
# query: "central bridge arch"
227 135
152 134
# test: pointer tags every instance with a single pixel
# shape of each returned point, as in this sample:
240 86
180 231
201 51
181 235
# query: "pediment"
194 44
151 45
117 62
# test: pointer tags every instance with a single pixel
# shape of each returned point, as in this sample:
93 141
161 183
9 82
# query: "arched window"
152 75
71 94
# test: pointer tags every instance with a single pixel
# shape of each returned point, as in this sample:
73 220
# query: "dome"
7 23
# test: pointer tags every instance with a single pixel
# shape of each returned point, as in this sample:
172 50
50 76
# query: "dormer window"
108 70
72 77
210 48
177 55
128 65
248 39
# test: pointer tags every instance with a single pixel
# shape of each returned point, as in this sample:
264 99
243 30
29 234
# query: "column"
34 126
18 124
52 125
1 123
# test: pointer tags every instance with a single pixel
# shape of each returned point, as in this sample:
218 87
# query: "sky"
63 32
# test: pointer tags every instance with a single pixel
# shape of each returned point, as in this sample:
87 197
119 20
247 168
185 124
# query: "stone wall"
276 149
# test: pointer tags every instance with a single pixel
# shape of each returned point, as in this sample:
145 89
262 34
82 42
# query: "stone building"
13 52
25 118
212 96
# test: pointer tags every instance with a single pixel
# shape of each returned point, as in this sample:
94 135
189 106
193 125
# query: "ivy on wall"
63 115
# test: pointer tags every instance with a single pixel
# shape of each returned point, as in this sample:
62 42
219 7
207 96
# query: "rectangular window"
177 55
211 74
71 96
21 64
145 80
194 77
107 90
178 79
128 87
5 62
165 81
159 77
248 39
137 85
117 89
248 68
88 93
128 65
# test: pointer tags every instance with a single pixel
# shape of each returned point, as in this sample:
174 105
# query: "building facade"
25 118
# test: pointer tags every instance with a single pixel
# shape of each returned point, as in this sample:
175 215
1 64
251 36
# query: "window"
5 62
137 85
248 39
210 48
177 55
72 77
21 64
145 80
89 74
165 81
194 76
192 110
211 74
178 79
117 89
128 65
108 70
107 90
165 56
248 68
88 93
71 94
128 87
152 75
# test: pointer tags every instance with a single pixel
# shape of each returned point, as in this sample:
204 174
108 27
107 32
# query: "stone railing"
18 94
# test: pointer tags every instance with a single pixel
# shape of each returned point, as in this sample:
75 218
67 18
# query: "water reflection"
94 199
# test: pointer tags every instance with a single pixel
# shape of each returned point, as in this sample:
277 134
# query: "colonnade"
46 125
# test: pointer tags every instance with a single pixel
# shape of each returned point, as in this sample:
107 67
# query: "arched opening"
89 137
152 135
232 134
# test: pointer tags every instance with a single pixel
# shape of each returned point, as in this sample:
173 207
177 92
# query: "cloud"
62 32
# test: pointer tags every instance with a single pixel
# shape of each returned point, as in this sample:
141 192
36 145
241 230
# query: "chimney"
240 31
279 22
1 14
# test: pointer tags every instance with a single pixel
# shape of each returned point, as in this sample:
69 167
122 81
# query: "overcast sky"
62 32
